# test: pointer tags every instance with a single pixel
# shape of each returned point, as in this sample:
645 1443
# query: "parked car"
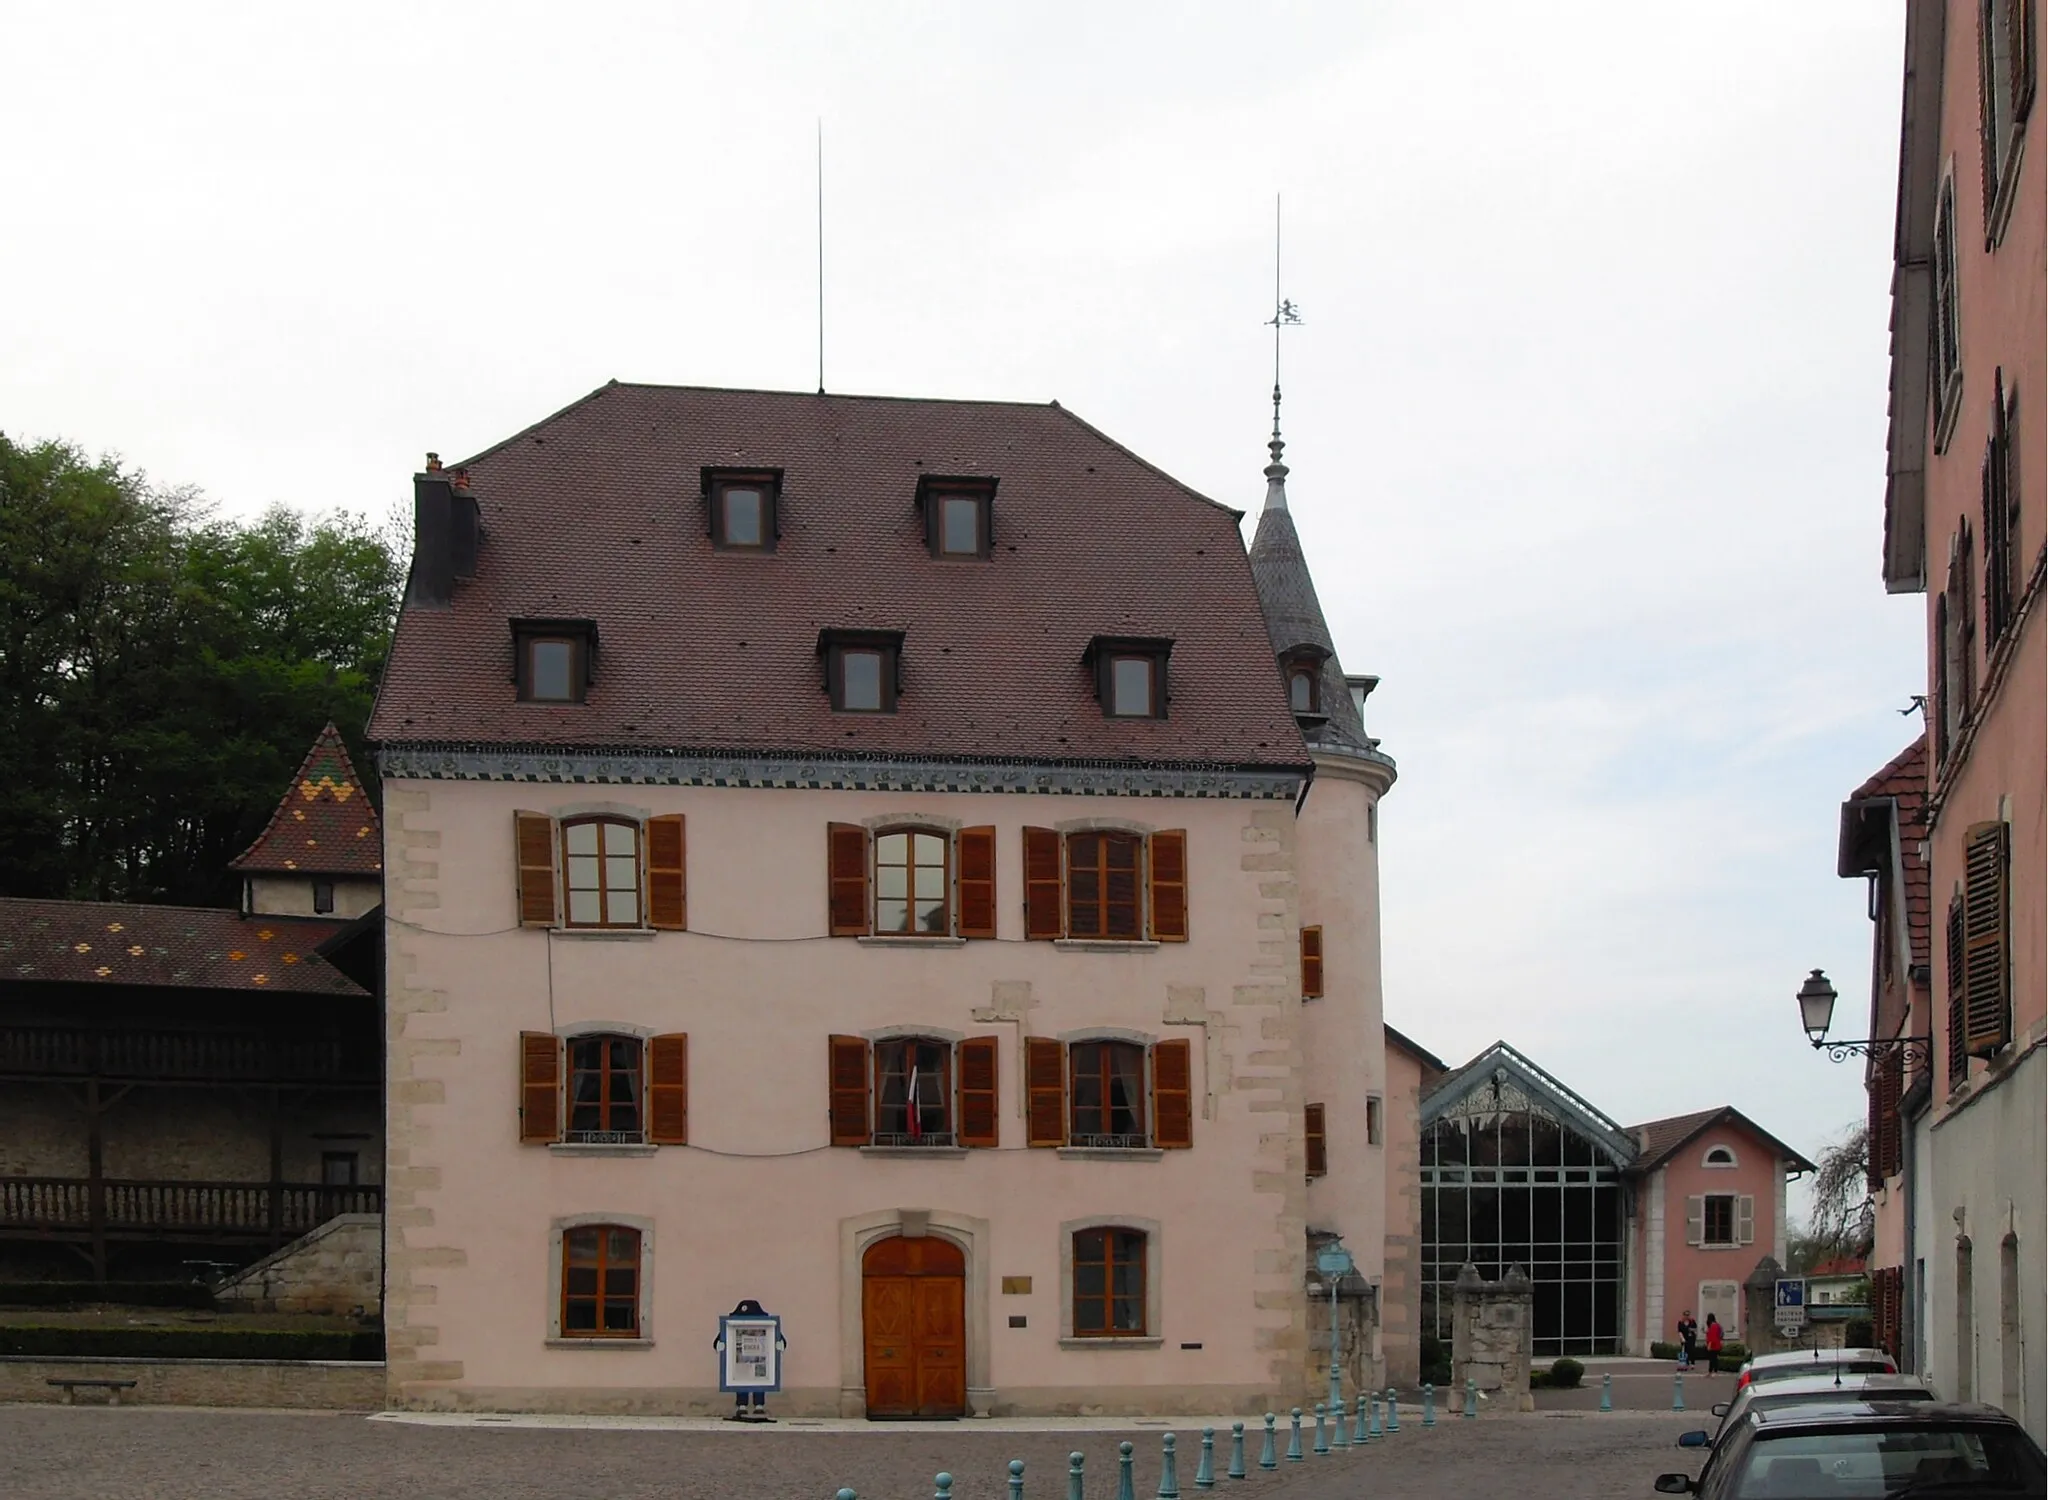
1871 1450
1808 1390
1793 1363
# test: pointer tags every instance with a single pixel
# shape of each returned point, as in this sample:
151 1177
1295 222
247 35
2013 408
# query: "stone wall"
337 1268
319 1385
194 1134
1492 1334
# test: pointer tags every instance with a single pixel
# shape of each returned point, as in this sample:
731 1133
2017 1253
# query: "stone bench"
70 1383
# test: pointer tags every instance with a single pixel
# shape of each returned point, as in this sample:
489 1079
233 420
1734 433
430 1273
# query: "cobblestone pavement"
86 1453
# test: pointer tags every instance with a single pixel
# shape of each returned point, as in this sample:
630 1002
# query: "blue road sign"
1792 1293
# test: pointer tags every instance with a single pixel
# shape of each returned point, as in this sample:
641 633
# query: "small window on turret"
1302 691
323 897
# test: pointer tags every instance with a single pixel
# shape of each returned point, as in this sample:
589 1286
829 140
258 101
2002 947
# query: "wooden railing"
231 1210
86 1052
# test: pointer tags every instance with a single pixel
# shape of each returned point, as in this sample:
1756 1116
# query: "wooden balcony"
167 1056
78 1208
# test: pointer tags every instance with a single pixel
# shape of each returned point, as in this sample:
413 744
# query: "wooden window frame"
934 490
606 1073
1105 651
833 648
1375 1120
353 1161
2001 500
948 1104
1947 313
562 827
581 638
1734 1204
1312 961
1105 1075
717 482
1315 1134
1104 1305
323 898
1139 875
948 893
603 1234
1987 939
1305 664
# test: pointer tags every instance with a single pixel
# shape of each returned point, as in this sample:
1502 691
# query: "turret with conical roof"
1331 718
322 853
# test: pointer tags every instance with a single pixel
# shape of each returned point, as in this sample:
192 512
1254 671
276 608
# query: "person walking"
1688 1337
1713 1345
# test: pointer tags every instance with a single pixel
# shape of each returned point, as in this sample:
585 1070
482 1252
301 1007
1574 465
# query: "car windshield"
1775 1398
1889 1462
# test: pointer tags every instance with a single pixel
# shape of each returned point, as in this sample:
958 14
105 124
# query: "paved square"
65 1453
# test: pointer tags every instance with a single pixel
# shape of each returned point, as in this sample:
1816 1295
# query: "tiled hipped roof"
325 824
1904 780
185 947
597 513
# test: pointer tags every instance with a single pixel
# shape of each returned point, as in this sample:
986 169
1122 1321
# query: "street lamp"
1817 1013
1334 1262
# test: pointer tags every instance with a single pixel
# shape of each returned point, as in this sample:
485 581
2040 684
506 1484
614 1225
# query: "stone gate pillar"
1492 1334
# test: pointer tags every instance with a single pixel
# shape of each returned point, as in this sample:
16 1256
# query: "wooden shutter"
849 1065
976 854
667 890
1168 870
1696 1219
846 858
1045 1086
1745 1219
1318 1145
1311 963
1873 1127
668 1088
1173 1114
1958 1051
540 1087
977 1073
535 836
1044 903
1987 978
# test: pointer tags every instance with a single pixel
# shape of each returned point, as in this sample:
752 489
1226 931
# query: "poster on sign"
750 1346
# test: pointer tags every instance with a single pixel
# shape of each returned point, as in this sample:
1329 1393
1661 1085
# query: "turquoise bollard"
1205 1468
1678 1393
1428 1404
1471 1397
1339 1437
847 1495
1123 1472
1269 1456
1322 1442
1076 1489
1376 1430
1393 1412
1016 1479
1361 1435
1236 1469
1294 1454
1169 1478
1607 1393
945 1487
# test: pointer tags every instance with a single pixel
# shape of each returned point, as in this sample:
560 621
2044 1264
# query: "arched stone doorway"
914 1327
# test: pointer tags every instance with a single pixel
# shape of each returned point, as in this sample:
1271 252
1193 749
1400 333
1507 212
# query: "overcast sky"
1586 416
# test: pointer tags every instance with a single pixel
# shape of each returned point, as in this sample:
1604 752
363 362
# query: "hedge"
111 1293
193 1343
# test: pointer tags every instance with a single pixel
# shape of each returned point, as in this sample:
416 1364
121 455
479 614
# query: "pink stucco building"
905 863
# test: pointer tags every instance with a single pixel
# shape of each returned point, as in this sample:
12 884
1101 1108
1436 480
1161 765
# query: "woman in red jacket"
1713 1345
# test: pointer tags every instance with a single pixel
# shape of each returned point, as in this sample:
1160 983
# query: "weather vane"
1285 315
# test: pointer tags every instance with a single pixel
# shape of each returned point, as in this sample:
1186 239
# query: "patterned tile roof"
183 947
597 513
1661 1139
1904 779
324 825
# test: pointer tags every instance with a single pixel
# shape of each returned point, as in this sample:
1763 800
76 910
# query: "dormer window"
743 505
1360 689
1302 667
862 669
957 514
1130 675
551 659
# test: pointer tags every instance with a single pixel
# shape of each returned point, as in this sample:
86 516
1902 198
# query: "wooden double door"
914 1323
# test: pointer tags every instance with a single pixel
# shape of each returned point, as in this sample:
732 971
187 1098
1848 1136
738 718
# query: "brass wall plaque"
1016 1286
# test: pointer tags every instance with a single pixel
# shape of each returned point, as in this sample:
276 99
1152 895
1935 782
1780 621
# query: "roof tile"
324 825
186 947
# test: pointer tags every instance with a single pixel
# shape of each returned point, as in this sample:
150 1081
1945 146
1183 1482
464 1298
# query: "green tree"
162 671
